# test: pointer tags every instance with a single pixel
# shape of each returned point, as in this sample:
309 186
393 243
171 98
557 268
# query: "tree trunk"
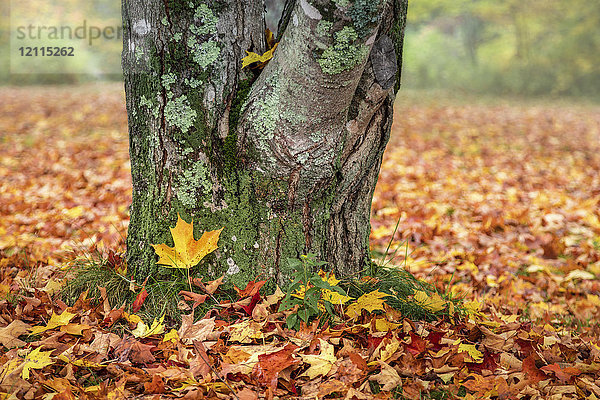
287 158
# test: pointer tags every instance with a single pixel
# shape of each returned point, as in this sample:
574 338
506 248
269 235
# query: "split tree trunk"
286 161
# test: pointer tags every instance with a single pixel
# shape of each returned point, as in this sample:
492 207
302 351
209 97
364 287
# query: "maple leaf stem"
189 279
214 371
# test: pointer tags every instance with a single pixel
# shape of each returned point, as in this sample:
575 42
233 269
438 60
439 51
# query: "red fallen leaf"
490 362
156 386
526 346
417 344
534 374
139 300
563 374
374 342
269 366
114 260
250 307
434 338
195 297
251 288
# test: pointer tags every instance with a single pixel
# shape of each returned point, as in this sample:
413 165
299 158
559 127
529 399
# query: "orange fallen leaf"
270 365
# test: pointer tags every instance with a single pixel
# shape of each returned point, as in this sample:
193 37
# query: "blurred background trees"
522 47
525 47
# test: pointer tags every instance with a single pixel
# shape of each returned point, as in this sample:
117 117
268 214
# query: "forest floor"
496 202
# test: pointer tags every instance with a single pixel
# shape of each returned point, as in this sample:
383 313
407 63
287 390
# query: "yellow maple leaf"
172 336
369 301
334 297
254 57
320 364
53 286
142 330
245 331
383 325
432 303
80 362
132 318
329 278
388 348
55 321
187 251
473 307
475 354
36 360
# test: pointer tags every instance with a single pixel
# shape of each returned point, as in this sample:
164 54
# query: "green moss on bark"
230 142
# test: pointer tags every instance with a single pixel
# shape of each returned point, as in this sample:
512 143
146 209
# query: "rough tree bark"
286 161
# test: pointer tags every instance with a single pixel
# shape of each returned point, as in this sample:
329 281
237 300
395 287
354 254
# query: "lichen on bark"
344 54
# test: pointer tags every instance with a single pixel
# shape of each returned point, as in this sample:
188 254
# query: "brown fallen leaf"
9 335
247 394
200 331
212 286
156 386
388 378
195 297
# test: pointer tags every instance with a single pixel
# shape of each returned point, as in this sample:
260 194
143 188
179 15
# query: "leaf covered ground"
495 203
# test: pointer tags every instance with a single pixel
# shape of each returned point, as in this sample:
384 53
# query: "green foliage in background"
524 47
